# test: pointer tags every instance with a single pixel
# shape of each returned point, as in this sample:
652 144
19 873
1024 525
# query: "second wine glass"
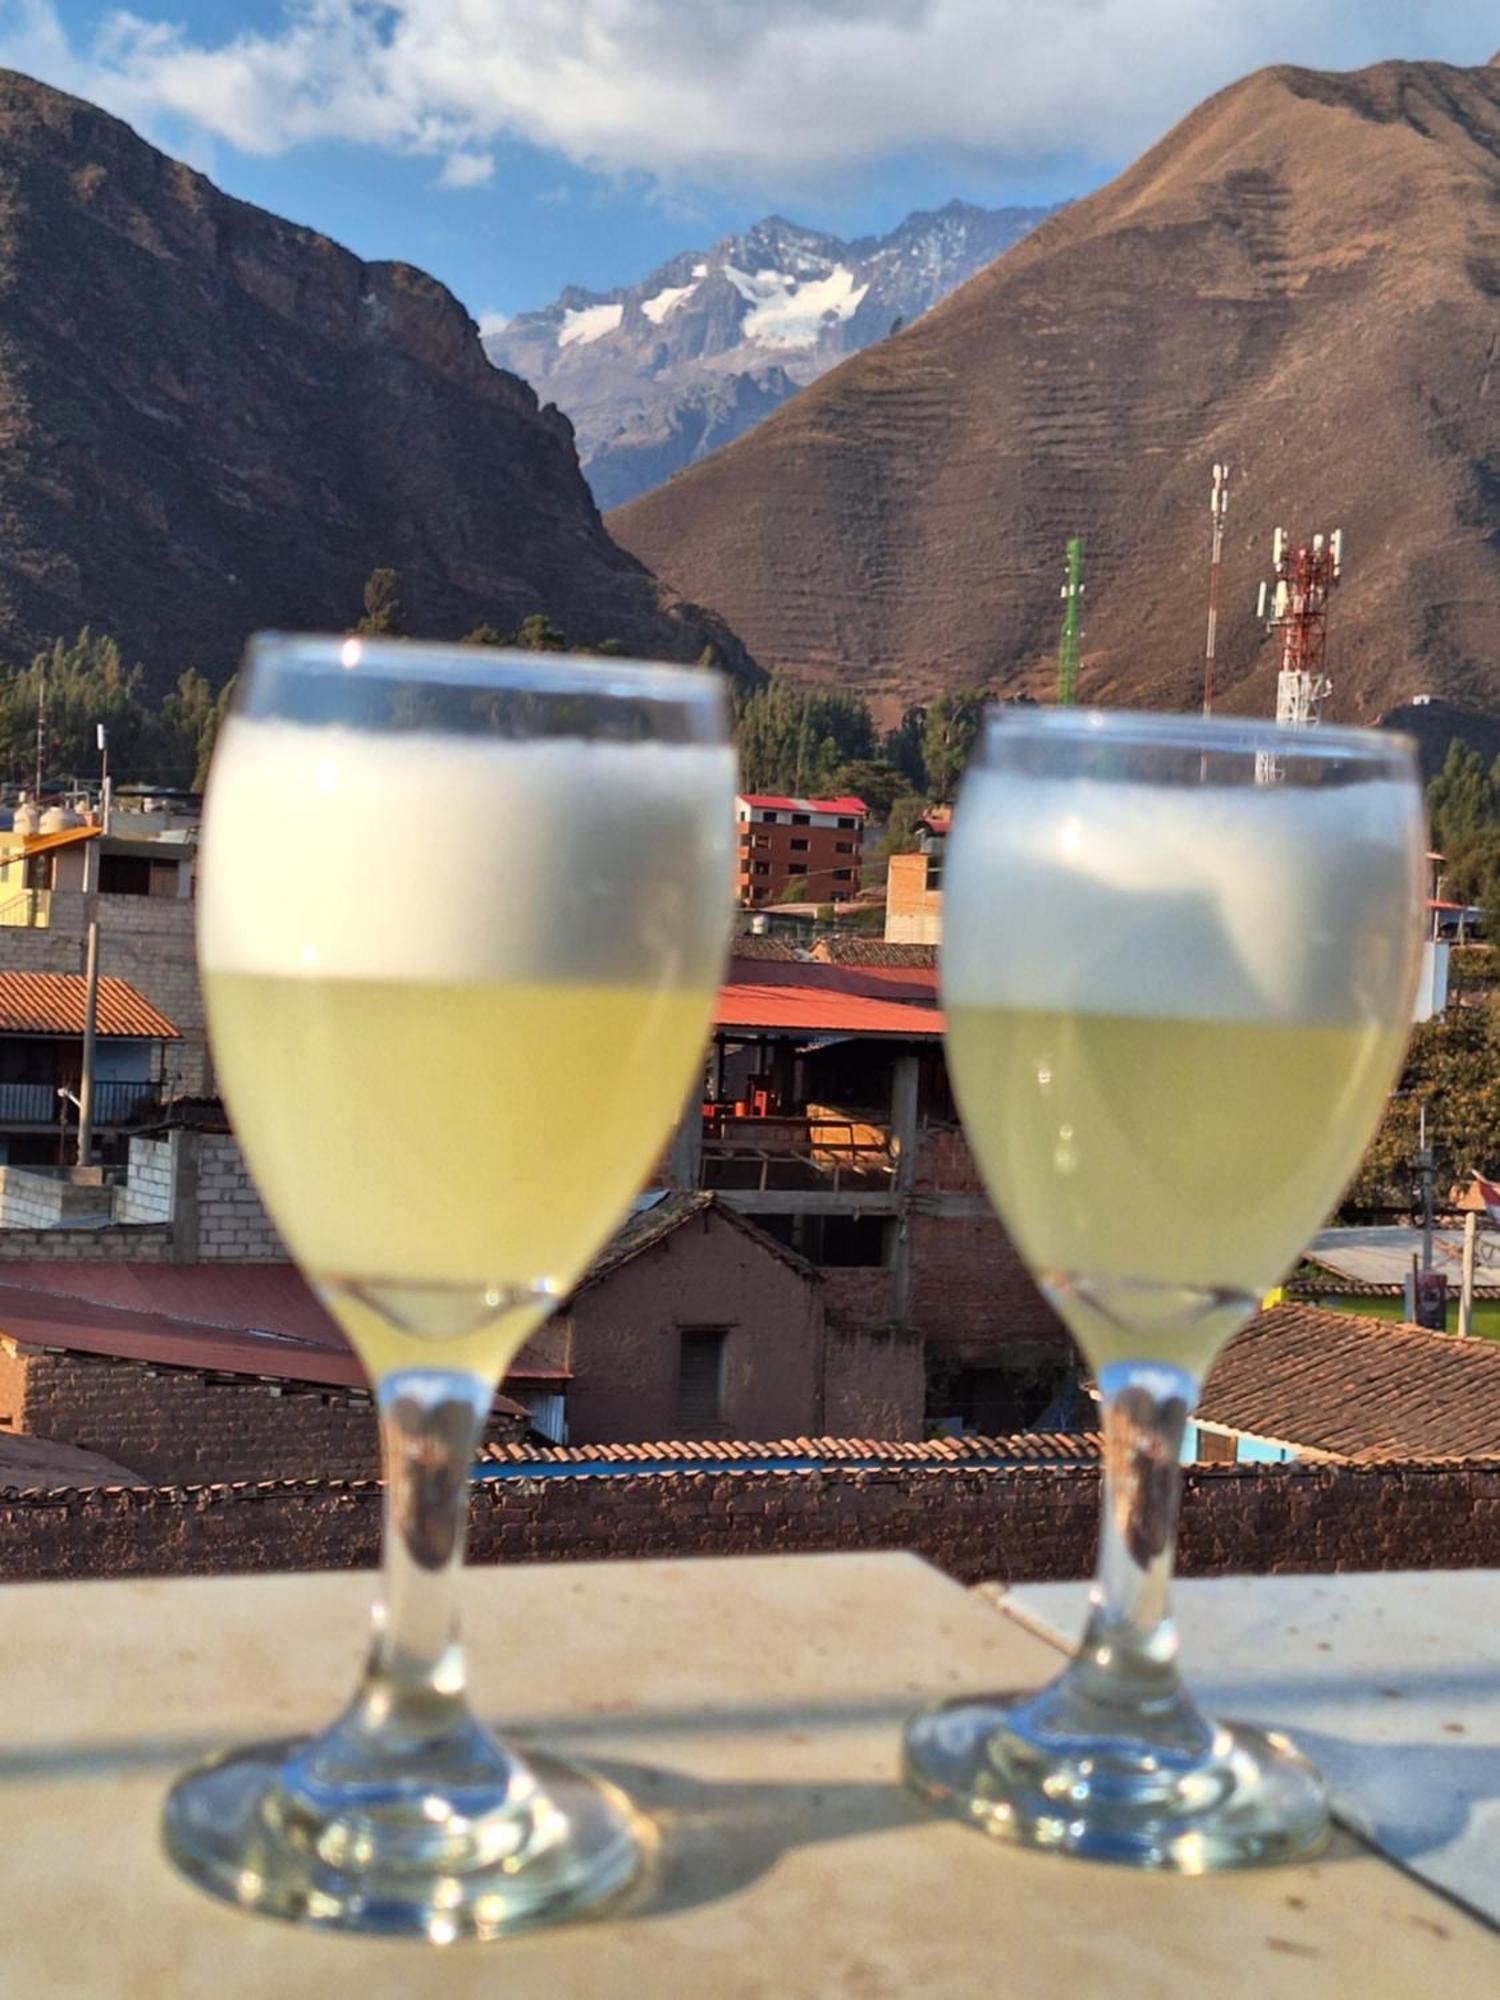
1177 996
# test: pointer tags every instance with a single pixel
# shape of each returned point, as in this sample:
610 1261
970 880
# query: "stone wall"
186 1424
1029 1524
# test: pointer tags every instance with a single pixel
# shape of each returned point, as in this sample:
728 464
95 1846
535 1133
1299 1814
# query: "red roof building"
812 846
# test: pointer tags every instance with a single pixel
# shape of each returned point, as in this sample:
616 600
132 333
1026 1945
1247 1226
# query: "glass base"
1240 1798
551 1842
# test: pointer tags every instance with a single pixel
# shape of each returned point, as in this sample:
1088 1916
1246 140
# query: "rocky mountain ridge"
214 420
658 374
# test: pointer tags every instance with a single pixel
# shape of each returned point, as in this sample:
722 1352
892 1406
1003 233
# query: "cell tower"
1067 645
1218 507
1296 606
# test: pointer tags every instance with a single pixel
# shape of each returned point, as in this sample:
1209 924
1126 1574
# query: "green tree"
484 635
875 781
537 634
1461 798
382 601
1453 1071
903 747
903 830
189 723
797 740
948 732
210 733
85 681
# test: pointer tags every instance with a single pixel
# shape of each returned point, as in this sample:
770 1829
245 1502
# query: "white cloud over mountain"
719 90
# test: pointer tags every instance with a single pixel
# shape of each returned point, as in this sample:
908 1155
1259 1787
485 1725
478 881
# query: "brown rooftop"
1344 1386
875 951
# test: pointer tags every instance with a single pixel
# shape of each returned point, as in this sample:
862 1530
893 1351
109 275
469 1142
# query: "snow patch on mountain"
657 308
786 311
582 324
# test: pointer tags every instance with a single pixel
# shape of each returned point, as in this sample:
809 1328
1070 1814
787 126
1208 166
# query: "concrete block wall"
232 1221
150 1181
109 1243
148 940
30 1200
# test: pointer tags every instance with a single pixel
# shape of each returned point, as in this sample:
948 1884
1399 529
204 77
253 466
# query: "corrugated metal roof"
52 1003
763 1007
232 1319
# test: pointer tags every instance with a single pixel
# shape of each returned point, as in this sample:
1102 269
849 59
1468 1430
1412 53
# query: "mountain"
213 420
1303 279
659 374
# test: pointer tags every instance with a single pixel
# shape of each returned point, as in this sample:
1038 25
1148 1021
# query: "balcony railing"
40 1103
836 1155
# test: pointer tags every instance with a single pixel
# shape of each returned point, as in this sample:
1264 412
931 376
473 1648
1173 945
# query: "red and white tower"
1296 606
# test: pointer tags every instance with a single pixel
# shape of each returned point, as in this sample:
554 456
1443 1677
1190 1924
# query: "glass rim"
454 663
1171 730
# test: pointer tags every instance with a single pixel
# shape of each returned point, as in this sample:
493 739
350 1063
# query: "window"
840 846
760 867
700 1381
768 819
124 875
796 868
801 819
798 846
847 825
842 874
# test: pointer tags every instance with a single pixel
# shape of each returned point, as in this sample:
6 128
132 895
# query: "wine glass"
1177 997
464 913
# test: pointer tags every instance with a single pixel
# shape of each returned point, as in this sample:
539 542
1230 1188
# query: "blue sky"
512 146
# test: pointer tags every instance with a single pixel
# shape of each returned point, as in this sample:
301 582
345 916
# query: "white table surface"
753 1706
1389 1682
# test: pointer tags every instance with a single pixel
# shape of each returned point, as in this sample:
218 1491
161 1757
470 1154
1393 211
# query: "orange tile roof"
1020 1448
52 1003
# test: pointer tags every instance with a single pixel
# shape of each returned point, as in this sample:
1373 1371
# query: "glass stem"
431 1421
1128 1659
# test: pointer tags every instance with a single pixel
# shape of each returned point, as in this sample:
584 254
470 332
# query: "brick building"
914 886
828 1120
696 1323
813 845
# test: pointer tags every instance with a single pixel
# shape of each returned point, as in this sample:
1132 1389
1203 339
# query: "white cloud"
770 90
491 323
467 170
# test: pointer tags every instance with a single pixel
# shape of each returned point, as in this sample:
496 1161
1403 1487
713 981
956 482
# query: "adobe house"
696 1324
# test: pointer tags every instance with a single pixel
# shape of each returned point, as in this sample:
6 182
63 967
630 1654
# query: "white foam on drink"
336 853
1271 902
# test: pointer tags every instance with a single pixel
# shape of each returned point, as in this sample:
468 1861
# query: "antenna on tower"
1218 507
1067 644
1296 606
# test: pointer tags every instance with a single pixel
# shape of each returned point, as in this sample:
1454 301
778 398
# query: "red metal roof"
233 1319
770 802
52 1003
802 1009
